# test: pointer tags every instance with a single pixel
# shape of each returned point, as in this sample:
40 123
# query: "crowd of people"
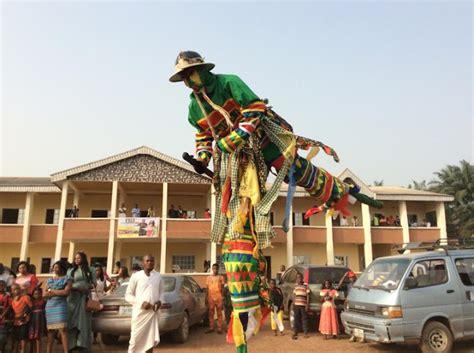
59 309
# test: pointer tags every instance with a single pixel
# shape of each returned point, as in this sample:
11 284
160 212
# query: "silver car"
184 305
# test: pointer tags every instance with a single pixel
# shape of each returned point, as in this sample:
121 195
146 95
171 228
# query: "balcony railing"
387 235
348 235
90 229
424 234
11 233
188 228
309 234
43 233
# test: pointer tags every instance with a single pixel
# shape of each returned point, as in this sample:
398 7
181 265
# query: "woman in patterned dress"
328 323
58 288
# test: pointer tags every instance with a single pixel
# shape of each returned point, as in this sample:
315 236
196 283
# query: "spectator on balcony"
383 221
173 212
207 213
151 211
390 221
74 212
376 221
181 212
122 211
343 221
136 211
397 221
355 221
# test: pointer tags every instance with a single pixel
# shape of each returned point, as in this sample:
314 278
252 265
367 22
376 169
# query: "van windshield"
384 274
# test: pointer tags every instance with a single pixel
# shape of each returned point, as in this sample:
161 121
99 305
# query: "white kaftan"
145 323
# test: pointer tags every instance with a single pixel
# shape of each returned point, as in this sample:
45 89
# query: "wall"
192 203
9 251
141 248
316 251
420 209
36 252
41 203
278 257
198 249
352 252
380 250
90 202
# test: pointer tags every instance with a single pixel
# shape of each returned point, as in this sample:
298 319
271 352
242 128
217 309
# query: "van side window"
465 268
429 273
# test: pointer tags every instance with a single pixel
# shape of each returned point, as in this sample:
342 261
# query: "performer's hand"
146 306
204 162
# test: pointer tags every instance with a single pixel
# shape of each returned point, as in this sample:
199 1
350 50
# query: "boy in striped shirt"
300 306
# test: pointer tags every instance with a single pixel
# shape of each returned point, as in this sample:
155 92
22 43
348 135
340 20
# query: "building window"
301 260
99 260
429 273
12 216
298 219
341 261
15 261
52 216
272 218
46 265
465 268
184 263
413 220
431 219
100 213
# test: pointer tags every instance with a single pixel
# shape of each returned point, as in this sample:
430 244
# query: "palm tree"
378 182
422 185
458 181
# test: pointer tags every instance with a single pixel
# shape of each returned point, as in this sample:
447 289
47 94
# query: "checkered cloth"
232 163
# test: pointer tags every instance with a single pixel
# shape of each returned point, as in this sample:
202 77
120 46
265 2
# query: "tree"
378 182
422 185
458 181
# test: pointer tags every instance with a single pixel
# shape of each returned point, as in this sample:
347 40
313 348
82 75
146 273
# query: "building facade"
36 222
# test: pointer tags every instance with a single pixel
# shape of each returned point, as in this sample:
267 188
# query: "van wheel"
436 338
182 333
109 340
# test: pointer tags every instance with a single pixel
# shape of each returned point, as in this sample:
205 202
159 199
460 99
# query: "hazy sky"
388 85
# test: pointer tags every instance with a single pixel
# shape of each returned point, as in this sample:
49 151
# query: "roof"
26 184
143 150
406 194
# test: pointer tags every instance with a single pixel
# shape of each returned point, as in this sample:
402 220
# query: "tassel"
289 197
226 194
341 205
313 210
230 334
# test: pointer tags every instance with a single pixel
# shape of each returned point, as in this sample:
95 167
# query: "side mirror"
410 283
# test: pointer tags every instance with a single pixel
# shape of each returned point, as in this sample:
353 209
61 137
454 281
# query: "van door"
465 269
434 292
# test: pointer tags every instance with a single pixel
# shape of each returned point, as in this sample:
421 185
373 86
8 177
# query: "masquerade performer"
246 139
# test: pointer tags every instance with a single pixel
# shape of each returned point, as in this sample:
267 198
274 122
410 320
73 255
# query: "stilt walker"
246 139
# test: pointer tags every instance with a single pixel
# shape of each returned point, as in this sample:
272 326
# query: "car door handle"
449 291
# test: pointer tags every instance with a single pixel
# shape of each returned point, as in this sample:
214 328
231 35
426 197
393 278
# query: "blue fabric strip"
289 197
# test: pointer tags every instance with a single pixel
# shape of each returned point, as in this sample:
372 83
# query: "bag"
93 305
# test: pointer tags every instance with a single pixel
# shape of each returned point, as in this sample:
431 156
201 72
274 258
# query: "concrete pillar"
62 212
26 226
213 210
113 212
329 241
441 221
164 217
72 251
122 196
289 240
118 251
404 221
368 256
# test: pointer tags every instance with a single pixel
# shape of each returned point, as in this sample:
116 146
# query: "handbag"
93 304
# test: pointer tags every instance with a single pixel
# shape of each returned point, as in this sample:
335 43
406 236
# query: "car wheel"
436 338
182 333
109 340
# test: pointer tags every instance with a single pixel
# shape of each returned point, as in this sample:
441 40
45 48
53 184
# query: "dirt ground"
266 342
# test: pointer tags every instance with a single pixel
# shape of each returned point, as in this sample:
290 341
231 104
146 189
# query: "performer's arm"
204 145
130 294
252 110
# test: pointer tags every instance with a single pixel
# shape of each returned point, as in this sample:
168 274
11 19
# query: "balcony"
188 228
11 233
280 235
90 229
348 235
424 234
309 234
387 235
43 233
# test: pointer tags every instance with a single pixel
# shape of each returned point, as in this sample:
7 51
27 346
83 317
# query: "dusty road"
265 342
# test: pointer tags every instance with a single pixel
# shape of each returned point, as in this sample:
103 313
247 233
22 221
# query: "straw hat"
188 59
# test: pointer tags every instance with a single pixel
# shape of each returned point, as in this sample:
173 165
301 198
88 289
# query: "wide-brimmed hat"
188 59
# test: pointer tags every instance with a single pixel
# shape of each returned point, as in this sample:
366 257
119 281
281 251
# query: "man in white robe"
145 293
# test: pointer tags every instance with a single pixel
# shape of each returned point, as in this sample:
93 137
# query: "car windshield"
319 275
168 283
384 274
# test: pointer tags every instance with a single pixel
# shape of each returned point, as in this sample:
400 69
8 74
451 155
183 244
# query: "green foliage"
457 181
378 182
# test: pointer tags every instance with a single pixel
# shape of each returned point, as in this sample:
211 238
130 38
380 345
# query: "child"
21 306
37 327
301 295
5 302
215 284
276 317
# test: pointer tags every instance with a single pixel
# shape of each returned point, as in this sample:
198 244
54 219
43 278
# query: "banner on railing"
138 227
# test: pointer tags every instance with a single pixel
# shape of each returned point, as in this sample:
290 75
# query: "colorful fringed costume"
246 139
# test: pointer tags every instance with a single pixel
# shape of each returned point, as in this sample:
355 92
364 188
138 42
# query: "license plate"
358 333
125 310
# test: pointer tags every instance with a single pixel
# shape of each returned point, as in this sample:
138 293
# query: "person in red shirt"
37 326
21 306
215 285
5 302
